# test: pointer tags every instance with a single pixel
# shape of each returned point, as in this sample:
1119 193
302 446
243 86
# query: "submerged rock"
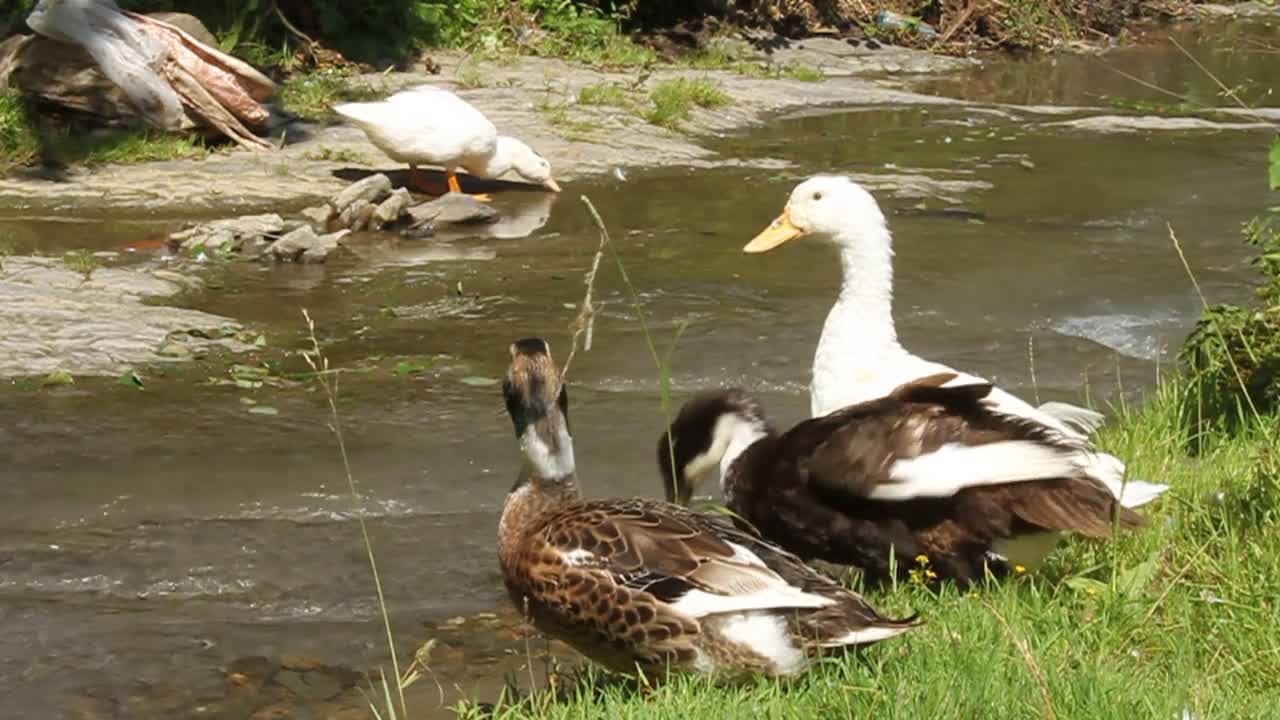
99 322
306 246
229 235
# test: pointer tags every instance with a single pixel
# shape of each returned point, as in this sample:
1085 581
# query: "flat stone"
1144 123
452 209
56 319
230 234
291 246
370 189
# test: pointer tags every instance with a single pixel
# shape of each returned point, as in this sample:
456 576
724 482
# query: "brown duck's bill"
778 232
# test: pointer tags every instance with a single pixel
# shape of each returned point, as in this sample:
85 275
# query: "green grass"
720 58
674 100
1178 616
81 261
125 146
602 93
312 95
22 143
470 77
19 145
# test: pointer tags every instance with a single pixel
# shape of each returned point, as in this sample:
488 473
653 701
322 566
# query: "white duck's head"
830 206
512 154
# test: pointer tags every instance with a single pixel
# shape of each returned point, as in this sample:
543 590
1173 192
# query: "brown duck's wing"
667 550
1080 505
654 571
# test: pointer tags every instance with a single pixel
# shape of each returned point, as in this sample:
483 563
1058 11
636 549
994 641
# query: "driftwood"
174 81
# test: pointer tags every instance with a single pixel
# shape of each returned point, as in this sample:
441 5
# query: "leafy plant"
673 100
19 144
1233 354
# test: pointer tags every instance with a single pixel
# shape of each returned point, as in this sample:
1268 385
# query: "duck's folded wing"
695 565
1071 421
925 441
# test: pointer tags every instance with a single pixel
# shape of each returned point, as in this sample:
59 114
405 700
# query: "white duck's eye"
817 196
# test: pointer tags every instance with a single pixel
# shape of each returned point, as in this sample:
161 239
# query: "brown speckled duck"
930 470
639 583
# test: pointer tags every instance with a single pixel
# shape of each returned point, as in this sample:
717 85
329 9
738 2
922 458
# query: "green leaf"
411 367
1133 581
58 377
1087 585
132 379
263 410
476 381
1275 163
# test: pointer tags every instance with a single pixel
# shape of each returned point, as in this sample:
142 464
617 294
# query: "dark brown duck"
928 471
643 583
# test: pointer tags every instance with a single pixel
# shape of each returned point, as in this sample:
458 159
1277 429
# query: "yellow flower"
1019 569
922 559
930 574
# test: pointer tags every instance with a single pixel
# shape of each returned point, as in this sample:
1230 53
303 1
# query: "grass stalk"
328 380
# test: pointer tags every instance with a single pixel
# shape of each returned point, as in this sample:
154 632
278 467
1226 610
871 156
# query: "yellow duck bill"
778 232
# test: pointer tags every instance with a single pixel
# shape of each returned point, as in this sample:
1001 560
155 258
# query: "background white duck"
859 357
427 125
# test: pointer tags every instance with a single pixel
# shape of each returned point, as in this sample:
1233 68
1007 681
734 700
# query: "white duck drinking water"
859 357
427 125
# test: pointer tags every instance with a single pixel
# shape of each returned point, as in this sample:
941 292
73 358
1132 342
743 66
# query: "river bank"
543 101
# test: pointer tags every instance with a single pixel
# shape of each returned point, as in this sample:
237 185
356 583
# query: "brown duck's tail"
851 622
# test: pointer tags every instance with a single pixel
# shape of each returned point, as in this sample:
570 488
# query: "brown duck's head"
710 424
539 408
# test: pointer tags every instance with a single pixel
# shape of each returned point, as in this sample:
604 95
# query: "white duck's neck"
859 334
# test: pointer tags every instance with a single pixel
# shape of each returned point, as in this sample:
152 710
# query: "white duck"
427 125
859 357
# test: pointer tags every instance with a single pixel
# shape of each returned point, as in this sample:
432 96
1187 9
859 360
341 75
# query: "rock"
452 209
356 215
1145 123
309 685
370 189
325 245
228 235
55 319
319 216
300 663
304 245
390 210
66 75
291 246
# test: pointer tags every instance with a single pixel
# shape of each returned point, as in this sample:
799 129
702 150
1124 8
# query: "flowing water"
158 545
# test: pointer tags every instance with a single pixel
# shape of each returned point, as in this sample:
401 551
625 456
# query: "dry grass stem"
585 322
329 381
1027 657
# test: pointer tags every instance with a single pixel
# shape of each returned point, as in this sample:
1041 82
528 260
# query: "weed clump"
19 144
674 100
1233 354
